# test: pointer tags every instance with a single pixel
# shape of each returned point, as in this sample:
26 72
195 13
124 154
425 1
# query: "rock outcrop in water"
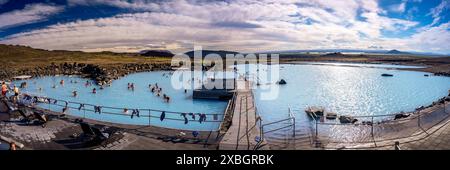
101 74
282 81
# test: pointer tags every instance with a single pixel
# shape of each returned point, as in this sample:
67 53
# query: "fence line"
104 109
392 127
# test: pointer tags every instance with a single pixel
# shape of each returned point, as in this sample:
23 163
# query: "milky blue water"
118 95
361 65
358 89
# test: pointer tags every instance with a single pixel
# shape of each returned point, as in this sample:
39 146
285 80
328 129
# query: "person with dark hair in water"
153 90
166 98
94 90
74 93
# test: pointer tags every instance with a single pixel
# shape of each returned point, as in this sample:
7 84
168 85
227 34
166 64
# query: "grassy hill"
21 56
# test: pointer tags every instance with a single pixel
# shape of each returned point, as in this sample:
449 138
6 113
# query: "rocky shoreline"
102 74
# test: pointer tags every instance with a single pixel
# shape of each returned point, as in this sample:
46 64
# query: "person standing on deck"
4 89
16 93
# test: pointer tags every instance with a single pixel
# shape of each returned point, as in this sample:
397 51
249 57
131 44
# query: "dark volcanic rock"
157 53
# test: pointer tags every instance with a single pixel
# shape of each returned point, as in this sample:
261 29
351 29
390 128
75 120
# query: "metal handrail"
116 108
415 115
291 118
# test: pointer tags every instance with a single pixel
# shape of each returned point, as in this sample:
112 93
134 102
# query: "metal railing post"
372 132
149 116
317 132
293 129
418 120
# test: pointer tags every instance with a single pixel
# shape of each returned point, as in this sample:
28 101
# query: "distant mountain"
221 53
157 53
397 52
388 52
334 54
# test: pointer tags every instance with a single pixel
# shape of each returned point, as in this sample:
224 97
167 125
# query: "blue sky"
242 25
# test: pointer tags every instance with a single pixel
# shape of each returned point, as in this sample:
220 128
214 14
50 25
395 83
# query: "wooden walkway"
244 128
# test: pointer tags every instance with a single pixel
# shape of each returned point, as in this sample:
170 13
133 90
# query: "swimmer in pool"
74 93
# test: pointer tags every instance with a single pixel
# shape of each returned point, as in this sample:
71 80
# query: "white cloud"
437 11
30 14
244 25
400 8
436 38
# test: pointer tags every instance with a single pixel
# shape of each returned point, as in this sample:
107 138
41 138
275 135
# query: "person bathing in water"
94 90
74 93
153 90
166 98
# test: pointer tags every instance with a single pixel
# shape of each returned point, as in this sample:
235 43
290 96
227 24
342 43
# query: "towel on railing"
192 116
163 115
202 117
65 109
81 107
98 109
135 112
185 118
